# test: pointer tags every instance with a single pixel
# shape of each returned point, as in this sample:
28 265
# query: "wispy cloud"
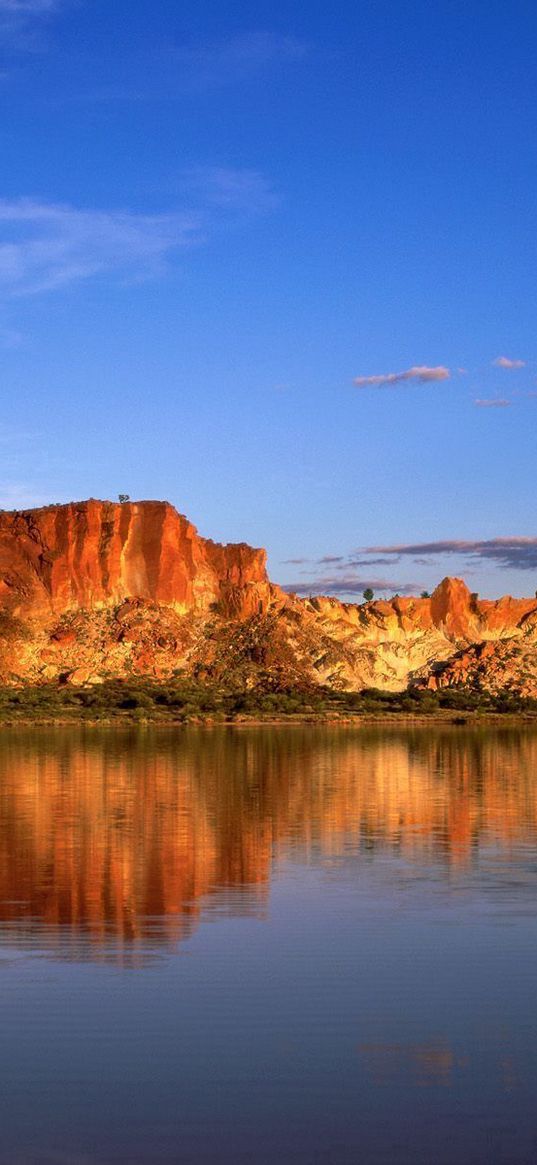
420 373
28 7
348 585
46 246
20 20
518 553
234 59
505 362
232 190
493 403
344 576
16 15
342 562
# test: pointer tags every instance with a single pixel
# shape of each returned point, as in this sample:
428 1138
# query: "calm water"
268 945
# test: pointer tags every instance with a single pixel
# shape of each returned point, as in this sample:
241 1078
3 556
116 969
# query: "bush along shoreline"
185 701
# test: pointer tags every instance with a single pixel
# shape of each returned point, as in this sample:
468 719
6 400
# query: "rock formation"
96 589
90 555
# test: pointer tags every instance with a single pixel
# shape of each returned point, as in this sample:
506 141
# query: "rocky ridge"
93 590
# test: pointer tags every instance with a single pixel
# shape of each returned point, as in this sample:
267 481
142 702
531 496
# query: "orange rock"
95 589
93 554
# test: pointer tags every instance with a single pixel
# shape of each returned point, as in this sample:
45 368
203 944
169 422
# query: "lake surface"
295 944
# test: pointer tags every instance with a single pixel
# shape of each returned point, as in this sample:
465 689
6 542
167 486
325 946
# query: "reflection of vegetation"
183 699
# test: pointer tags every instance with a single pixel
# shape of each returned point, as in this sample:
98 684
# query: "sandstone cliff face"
95 589
95 554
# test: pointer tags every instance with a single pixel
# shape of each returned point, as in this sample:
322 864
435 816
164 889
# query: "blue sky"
216 219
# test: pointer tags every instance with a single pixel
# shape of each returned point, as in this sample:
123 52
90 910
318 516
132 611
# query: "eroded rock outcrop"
95 589
87 555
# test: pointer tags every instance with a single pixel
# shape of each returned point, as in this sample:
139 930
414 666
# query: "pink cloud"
419 372
505 362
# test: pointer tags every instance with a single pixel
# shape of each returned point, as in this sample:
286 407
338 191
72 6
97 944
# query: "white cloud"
493 403
505 362
44 246
421 373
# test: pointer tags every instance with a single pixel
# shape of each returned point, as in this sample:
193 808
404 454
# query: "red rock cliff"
93 590
95 554
462 615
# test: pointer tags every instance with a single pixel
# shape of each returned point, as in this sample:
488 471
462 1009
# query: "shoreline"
444 718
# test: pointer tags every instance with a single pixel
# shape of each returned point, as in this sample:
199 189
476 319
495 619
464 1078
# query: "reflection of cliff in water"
125 837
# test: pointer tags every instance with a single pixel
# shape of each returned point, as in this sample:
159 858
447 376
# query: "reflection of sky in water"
298 944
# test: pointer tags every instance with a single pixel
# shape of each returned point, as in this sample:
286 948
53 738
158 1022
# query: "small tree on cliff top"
368 594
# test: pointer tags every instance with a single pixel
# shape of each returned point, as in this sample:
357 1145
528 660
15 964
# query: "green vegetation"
184 700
